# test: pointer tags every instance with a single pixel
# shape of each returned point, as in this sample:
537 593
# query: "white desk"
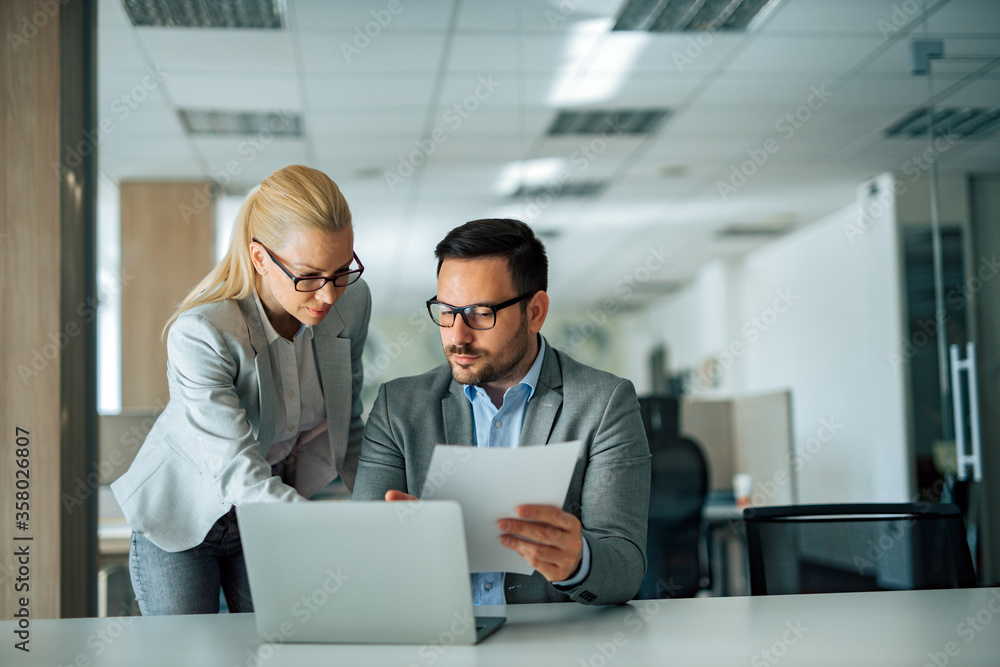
879 629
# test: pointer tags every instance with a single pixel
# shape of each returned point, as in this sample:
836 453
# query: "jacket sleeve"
382 464
214 433
615 503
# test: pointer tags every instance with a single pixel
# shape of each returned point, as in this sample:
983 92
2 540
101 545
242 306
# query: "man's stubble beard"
497 369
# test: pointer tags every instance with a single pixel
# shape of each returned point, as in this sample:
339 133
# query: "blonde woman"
264 368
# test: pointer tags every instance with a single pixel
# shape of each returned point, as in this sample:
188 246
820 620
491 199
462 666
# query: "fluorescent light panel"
692 15
241 122
964 123
206 14
529 173
621 121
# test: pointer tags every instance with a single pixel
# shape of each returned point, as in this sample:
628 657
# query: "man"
504 386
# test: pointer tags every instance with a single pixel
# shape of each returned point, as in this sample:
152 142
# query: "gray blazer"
206 451
609 489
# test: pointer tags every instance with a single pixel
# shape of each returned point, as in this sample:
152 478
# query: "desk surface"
956 627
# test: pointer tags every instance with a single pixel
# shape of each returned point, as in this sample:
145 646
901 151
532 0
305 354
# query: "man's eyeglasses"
313 283
480 317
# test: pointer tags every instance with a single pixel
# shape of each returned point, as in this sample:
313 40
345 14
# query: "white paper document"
490 484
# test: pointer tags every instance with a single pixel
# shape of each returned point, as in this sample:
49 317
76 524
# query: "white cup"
742 486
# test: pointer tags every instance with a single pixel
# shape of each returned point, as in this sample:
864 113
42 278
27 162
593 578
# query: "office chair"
677 561
856 547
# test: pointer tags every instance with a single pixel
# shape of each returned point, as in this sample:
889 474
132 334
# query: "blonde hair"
290 199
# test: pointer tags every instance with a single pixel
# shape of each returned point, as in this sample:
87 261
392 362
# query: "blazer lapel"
262 363
333 358
456 412
545 403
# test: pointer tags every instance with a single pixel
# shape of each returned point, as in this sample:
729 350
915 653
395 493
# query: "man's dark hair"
500 237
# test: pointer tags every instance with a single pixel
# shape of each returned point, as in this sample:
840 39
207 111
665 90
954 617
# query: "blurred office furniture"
856 547
727 545
740 434
746 434
890 628
119 438
676 545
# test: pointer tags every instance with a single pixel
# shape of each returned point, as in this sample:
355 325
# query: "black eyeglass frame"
465 310
326 279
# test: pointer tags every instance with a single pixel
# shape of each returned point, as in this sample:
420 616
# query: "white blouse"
299 407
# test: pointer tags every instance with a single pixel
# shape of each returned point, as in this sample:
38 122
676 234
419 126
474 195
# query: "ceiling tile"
335 93
235 91
815 54
370 17
190 49
334 52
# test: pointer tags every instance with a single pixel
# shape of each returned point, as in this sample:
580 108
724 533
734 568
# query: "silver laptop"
361 572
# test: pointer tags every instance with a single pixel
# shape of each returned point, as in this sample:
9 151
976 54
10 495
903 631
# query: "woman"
264 368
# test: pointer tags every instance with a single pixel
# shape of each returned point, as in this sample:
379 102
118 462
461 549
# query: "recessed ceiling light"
673 171
368 172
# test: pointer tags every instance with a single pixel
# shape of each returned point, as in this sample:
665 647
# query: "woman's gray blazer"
206 451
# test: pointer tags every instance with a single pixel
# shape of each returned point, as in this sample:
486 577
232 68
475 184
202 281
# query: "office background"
737 209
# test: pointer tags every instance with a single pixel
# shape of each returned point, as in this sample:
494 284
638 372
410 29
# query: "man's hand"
550 540
394 495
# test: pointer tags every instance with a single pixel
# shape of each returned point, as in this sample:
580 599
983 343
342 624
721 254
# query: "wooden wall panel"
46 367
168 245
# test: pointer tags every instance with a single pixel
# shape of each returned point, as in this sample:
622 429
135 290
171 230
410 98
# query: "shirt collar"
269 330
530 379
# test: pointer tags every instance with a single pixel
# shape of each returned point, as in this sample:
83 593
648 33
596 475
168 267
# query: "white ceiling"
362 113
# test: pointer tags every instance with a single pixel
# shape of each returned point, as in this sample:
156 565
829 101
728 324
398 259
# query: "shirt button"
291 428
291 394
488 586
498 424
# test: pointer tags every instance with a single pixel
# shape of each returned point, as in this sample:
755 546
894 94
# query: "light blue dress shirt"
502 428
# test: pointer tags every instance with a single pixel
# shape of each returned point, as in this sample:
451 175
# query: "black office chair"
857 547
677 562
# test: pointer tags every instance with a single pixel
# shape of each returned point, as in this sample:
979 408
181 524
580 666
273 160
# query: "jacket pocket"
182 454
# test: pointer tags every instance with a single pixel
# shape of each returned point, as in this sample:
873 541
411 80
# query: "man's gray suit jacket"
206 452
609 490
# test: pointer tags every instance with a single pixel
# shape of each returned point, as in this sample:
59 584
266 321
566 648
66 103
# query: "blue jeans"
188 582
